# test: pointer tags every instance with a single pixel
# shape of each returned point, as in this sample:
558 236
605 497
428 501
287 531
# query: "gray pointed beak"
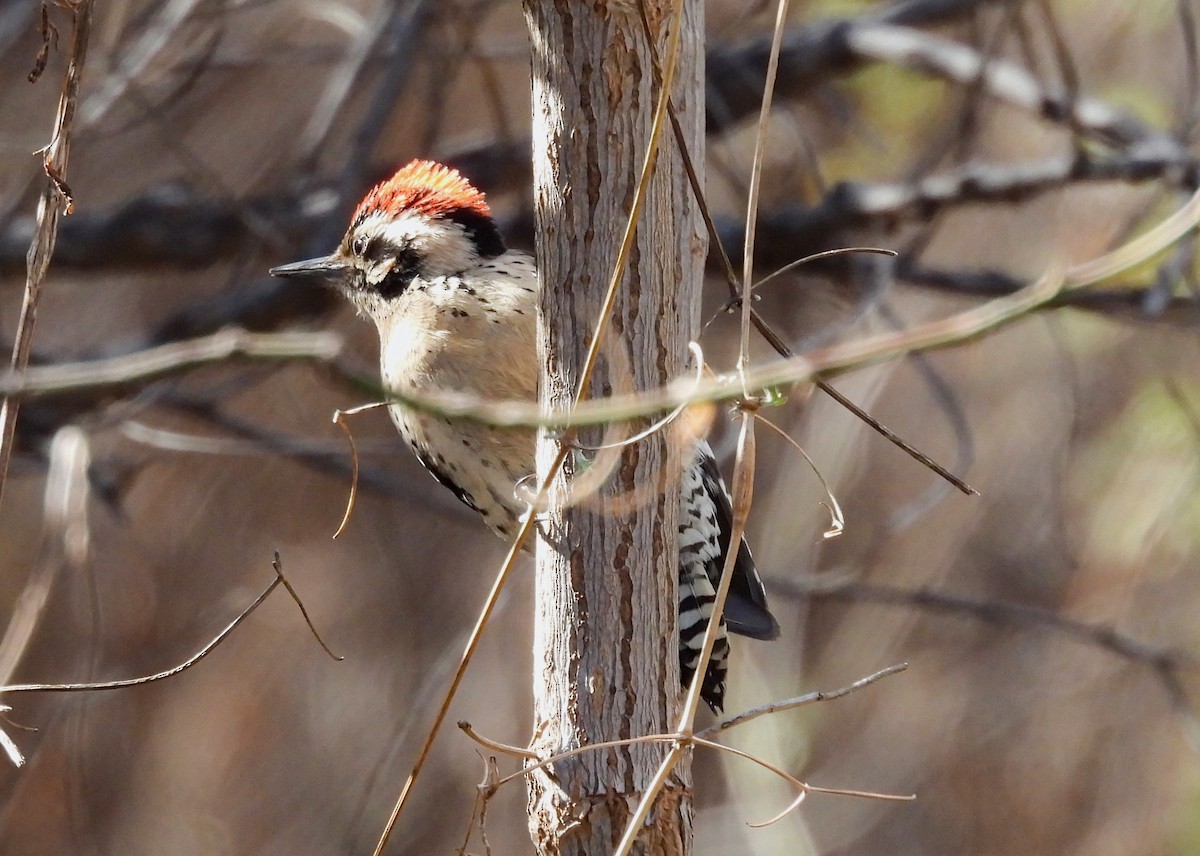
327 270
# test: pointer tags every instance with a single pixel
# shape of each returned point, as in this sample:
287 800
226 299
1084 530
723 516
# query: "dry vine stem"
55 200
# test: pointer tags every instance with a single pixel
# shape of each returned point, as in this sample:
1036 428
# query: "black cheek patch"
399 278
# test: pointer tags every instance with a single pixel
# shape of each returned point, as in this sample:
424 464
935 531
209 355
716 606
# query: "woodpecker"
456 309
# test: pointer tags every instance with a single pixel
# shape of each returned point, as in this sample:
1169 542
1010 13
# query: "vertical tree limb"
605 647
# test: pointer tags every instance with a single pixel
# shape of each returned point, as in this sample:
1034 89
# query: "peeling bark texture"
605 648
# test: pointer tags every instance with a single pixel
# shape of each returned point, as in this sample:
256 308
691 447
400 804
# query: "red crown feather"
424 187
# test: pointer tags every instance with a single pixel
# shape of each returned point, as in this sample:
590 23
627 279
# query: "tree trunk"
605 643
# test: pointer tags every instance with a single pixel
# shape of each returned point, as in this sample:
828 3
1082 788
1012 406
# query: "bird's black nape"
480 228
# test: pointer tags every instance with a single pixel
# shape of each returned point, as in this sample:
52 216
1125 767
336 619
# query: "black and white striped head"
426 222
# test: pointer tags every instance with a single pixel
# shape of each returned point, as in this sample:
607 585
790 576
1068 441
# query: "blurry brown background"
1049 623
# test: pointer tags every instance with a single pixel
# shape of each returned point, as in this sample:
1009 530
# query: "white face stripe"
442 246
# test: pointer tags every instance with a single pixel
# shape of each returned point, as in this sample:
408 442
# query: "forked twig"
711 731
157 676
483 794
279 580
803 787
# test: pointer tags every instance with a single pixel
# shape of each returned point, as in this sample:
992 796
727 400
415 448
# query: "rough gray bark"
605 649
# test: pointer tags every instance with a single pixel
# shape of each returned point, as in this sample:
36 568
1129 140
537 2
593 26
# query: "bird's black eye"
359 247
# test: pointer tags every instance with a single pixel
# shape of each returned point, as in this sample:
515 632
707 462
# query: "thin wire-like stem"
654 427
824 254
760 145
838 519
339 419
277 564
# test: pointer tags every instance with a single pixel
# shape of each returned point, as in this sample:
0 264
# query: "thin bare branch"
799 701
994 611
820 363
812 55
157 676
